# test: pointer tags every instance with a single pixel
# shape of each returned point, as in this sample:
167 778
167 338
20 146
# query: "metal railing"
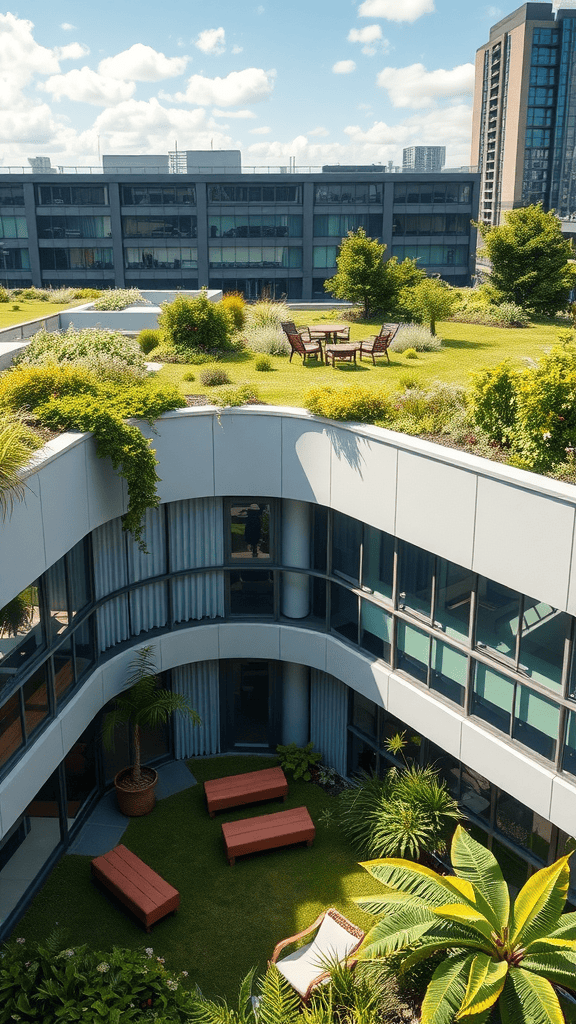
54 171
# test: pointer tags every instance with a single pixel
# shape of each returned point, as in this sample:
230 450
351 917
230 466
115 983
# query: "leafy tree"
492 400
399 278
431 300
361 274
192 325
530 260
495 953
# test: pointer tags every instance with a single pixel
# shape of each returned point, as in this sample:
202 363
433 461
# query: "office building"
192 219
524 120
423 158
385 584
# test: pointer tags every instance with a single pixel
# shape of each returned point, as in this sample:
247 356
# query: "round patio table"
327 330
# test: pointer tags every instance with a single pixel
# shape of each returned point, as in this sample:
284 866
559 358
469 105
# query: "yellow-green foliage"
234 303
349 403
25 387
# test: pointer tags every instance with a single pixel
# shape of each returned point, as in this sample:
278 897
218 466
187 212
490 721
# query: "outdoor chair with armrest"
304 348
379 344
289 327
336 938
343 335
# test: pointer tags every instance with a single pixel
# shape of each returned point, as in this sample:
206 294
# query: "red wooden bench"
136 885
267 832
236 790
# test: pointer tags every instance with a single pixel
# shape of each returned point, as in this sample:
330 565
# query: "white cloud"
264 130
72 51
450 124
319 132
20 59
142 63
211 40
242 114
260 9
414 86
343 67
247 86
494 12
67 27
86 86
237 49
138 126
369 36
395 10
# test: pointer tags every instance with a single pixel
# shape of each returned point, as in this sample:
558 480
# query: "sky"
318 81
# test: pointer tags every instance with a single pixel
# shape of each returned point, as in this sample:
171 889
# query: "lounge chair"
336 938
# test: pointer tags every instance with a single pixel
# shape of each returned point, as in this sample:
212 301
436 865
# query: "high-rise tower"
524 122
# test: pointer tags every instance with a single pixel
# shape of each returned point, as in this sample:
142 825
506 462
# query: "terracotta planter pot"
135 801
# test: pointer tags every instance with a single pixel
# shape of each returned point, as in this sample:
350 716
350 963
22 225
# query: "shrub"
61 295
348 403
506 314
411 353
189 376
168 354
269 340
148 339
4 294
267 313
15 307
240 394
236 306
417 337
198 358
430 300
46 982
195 324
408 380
545 428
433 410
213 376
263 364
120 298
298 760
492 400
104 352
87 293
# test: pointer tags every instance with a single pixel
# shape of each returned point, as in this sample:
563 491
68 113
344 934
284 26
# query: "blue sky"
323 81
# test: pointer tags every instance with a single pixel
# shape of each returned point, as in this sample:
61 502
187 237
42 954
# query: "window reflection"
416 568
375 630
536 722
493 697
544 631
346 541
448 672
250 530
21 633
11 736
35 692
378 562
522 825
344 613
453 595
497 618
252 592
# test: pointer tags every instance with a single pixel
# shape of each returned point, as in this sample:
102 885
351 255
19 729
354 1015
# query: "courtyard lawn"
230 918
466 348
31 309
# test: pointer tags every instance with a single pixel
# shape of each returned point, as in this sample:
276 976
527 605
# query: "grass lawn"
467 347
30 309
230 918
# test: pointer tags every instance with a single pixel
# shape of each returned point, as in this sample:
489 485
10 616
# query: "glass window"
493 697
63 671
84 646
249 530
11 195
448 672
252 592
375 630
569 760
378 562
454 586
497 617
523 826
514 867
344 612
475 793
11 735
78 577
364 714
415 583
13 227
413 651
80 771
536 722
544 631
346 541
21 634
55 579
35 692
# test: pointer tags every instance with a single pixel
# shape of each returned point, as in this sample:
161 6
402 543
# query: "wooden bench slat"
236 790
267 832
136 885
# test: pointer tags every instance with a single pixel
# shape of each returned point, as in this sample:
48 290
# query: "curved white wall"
517 528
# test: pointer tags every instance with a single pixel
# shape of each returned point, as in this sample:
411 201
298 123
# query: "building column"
295 704
295 551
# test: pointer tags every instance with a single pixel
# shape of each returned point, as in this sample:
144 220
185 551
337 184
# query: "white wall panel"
515 772
303 647
63 492
248 454
183 646
22 556
352 668
435 506
249 640
422 712
183 444
363 478
306 450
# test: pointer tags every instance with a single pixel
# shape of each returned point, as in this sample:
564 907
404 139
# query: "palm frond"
279 1003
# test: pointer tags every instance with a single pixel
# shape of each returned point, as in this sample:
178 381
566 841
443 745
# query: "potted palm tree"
144 703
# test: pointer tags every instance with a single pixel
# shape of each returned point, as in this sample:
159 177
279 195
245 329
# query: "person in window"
253 528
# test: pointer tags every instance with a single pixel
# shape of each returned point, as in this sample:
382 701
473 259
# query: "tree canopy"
364 277
530 260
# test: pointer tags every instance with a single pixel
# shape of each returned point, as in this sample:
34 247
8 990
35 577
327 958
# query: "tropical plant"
531 260
144 704
298 760
17 444
407 813
17 615
189 325
494 952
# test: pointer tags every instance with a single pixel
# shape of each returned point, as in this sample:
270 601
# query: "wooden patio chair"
343 335
336 938
304 348
289 327
379 344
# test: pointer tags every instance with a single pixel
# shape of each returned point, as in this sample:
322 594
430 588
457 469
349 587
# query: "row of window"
255 256
337 225
74 227
433 255
76 259
71 195
254 193
366 192
430 224
11 195
178 226
160 257
433 192
13 227
255 225
14 259
157 195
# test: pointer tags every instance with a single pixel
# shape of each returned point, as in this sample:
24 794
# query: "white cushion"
332 942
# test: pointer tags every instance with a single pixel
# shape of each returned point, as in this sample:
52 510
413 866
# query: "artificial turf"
230 918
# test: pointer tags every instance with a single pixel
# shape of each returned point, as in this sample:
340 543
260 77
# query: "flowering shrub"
120 298
212 376
103 352
348 403
46 983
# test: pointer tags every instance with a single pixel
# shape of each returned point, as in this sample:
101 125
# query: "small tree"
530 260
430 300
361 274
195 325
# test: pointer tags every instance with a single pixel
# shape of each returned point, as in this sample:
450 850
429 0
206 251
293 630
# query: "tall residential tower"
525 111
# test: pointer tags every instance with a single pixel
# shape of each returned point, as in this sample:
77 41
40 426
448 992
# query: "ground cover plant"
120 298
104 352
229 919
